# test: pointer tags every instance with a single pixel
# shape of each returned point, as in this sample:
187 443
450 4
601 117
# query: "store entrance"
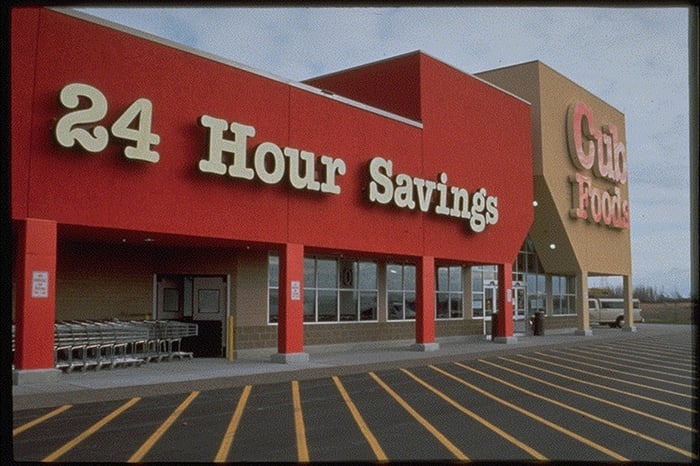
200 299
519 305
519 308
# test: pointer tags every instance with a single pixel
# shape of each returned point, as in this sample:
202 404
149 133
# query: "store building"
581 227
389 201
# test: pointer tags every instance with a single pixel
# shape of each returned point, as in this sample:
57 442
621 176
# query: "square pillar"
290 325
35 276
629 312
425 305
504 322
584 325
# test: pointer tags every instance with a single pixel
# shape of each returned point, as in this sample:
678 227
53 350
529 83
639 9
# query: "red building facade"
135 162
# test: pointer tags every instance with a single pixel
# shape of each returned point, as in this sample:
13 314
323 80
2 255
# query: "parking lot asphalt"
256 367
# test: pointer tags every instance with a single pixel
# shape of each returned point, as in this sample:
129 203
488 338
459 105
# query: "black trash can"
538 324
494 320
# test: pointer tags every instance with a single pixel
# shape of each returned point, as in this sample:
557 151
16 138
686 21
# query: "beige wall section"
96 281
250 302
101 281
580 245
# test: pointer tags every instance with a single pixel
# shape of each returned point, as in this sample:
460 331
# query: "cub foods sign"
227 154
601 160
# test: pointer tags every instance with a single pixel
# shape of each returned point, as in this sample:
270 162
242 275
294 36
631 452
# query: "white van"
611 311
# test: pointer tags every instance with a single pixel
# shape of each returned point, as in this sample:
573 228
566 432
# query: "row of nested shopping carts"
88 344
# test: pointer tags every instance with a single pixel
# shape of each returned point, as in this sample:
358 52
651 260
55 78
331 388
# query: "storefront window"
449 296
401 291
482 274
563 295
334 290
273 292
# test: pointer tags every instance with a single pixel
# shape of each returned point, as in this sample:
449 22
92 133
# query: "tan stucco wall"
580 245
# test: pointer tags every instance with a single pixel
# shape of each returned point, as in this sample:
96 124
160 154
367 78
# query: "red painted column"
504 327
290 330
425 304
35 275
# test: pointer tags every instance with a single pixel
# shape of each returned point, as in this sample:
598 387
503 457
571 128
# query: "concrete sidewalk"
255 366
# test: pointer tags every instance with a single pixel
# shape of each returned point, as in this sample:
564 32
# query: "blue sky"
636 59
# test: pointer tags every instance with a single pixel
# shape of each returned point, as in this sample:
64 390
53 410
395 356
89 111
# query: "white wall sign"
296 290
40 284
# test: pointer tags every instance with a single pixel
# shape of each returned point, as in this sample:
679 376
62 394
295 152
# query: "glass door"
490 305
519 308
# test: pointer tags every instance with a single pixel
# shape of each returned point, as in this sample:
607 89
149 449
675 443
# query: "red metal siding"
476 134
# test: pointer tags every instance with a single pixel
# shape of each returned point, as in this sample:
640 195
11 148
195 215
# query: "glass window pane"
409 277
477 280
171 300
208 301
273 304
478 304
309 272
442 278
326 273
368 305
348 274
327 305
442 310
273 270
540 283
394 277
410 305
348 305
456 309
368 276
455 278
395 305
556 300
309 305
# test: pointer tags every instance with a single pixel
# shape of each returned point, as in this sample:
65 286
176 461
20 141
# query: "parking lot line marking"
586 395
626 382
597 385
91 430
39 420
148 444
591 416
657 357
639 376
607 356
529 450
302 450
371 439
421 420
534 416
225 446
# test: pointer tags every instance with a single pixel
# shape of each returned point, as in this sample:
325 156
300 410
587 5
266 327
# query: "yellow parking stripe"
614 425
626 382
428 426
586 395
87 433
39 420
302 450
371 439
225 447
655 359
605 357
597 385
639 376
529 450
537 418
148 444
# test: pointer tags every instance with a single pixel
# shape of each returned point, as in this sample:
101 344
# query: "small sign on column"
296 290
